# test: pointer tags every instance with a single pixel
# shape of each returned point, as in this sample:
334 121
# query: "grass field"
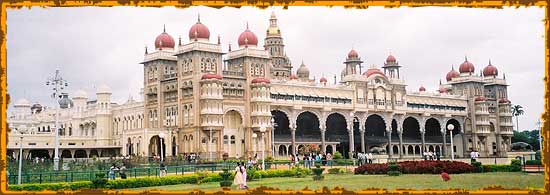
358 182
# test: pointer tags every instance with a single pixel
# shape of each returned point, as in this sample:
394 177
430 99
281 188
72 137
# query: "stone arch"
233 127
432 129
307 126
66 154
457 126
94 153
375 125
80 154
411 130
337 131
282 150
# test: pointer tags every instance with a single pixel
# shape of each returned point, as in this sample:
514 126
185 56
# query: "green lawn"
358 182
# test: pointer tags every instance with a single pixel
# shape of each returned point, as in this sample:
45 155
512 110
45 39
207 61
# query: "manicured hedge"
533 162
154 181
498 168
418 167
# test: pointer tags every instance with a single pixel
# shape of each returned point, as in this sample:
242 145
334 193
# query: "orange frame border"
361 4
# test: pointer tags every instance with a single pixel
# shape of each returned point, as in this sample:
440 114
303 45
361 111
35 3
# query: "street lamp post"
161 136
254 137
262 130
21 131
58 84
451 127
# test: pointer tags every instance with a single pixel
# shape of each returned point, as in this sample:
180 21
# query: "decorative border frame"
262 4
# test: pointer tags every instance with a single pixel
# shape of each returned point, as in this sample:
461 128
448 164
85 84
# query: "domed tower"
252 64
103 115
391 67
160 70
353 61
303 72
506 126
211 112
273 43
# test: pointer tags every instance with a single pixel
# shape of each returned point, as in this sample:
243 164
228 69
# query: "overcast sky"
93 46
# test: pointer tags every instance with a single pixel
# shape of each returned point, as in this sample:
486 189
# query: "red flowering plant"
445 176
419 167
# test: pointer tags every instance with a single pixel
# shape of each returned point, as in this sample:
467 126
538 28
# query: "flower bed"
418 167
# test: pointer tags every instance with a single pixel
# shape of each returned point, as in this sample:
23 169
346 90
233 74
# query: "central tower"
274 45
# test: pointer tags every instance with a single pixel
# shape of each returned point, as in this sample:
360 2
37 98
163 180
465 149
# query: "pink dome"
164 40
248 38
452 74
323 80
391 58
373 71
260 80
211 76
199 31
466 67
442 89
293 77
353 54
490 70
422 88
480 98
503 101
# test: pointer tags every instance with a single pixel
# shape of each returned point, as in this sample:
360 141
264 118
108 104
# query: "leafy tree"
530 137
517 110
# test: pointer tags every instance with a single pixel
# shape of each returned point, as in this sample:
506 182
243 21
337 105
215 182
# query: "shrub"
318 171
393 169
478 166
335 171
51 186
417 167
337 155
533 162
226 182
99 181
516 165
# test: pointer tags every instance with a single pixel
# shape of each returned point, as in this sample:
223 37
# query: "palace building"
204 99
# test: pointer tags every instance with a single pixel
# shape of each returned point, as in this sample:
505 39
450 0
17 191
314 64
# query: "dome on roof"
80 94
293 77
391 58
353 54
103 89
452 74
303 71
199 31
22 102
422 88
372 71
490 70
442 89
323 80
248 38
164 40
466 67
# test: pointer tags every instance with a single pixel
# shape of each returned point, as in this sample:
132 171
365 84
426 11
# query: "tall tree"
516 111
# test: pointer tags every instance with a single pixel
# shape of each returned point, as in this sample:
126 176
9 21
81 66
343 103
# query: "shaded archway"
433 132
282 150
39 154
66 154
375 132
94 153
282 131
337 131
411 131
154 146
80 154
129 147
174 146
307 127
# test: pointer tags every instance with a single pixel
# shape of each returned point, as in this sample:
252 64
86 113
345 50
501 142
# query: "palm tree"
516 111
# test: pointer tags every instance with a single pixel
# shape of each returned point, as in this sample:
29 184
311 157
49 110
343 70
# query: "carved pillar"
362 133
422 132
323 142
390 149
351 145
293 134
400 144
498 138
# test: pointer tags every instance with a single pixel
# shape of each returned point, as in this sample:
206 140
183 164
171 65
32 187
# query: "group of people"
240 176
431 155
365 158
115 169
309 160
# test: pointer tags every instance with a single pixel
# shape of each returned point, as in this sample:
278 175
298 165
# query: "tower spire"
179 41
164 28
145 49
465 58
246 25
489 61
199 18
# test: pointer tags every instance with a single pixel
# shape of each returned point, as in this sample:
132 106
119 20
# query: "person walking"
370 158
238 180
244 175
472 156
122 171
112 172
